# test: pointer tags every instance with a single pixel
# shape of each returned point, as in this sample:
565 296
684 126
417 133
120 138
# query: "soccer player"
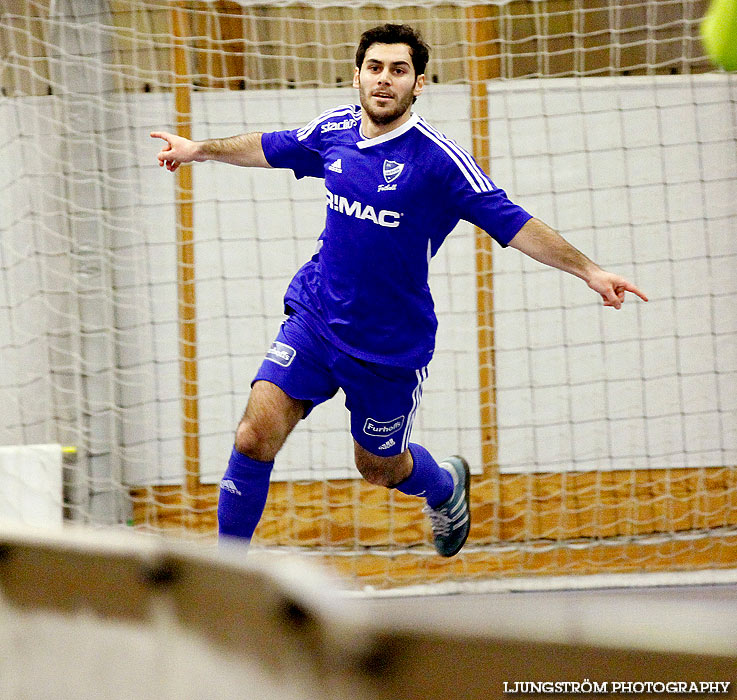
359 313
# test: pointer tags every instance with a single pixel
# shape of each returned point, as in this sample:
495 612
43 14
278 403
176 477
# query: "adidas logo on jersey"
336 167
389 443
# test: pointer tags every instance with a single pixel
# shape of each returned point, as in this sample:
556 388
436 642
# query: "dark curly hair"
395 34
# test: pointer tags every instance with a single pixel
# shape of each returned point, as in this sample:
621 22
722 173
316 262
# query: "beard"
381 117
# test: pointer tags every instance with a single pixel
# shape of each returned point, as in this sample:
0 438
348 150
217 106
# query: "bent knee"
258 444
383 471
377 476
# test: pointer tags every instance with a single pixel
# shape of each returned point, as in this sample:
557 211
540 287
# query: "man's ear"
355 77
419 84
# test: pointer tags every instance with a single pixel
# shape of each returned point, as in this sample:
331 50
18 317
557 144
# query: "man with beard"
360 316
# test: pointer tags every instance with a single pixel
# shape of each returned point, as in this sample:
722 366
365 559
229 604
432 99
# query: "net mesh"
136 306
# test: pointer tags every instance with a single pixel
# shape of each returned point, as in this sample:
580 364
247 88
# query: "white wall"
640 174
37 349
31 486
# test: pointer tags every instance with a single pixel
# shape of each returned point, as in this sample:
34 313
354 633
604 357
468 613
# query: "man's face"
386 82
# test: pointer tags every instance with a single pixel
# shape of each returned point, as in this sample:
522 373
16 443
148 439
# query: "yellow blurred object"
719 33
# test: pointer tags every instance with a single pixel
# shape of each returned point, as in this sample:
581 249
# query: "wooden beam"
186 263
482 64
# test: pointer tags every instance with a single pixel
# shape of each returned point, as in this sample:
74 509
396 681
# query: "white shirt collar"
389 135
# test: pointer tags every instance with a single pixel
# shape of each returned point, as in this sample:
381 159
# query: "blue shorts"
382 399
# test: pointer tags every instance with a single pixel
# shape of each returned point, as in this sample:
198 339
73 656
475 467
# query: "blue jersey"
391 202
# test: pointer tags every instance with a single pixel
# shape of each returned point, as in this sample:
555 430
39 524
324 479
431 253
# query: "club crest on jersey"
392 170
281 353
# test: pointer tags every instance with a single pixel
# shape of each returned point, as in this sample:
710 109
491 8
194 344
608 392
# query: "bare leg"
382 471
270 417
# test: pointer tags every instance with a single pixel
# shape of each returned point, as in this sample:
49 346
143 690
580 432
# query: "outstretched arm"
242 150
545 245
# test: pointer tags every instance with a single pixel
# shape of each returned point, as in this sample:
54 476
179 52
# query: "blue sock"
427 478
243 492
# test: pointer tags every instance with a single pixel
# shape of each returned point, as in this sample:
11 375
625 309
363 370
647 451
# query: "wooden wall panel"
143 46
549 524
261 47
534 507
23 35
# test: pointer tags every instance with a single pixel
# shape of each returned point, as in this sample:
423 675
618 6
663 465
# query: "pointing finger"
632 288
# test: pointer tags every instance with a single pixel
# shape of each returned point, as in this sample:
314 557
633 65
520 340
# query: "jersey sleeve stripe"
467 157
342 110
473 181
466 164
334 111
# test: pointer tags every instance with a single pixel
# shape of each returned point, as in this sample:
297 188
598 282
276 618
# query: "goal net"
136 305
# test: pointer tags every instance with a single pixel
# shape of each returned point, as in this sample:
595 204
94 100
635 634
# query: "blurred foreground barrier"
91 615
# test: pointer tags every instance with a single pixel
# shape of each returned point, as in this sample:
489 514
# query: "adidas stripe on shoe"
451 521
